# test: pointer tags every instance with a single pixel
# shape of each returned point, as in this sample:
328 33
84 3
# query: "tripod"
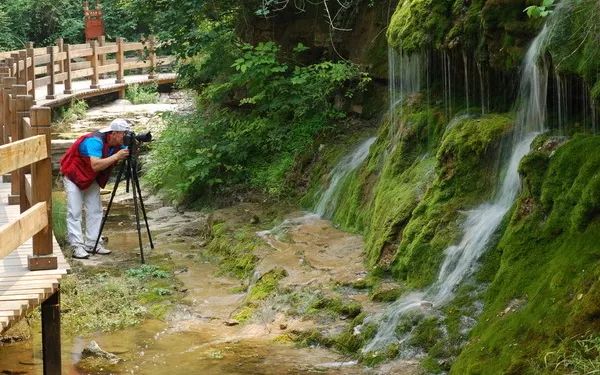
129 166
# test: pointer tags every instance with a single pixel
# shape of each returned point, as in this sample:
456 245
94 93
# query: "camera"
129 138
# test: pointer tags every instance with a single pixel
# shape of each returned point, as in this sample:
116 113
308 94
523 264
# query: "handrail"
64 63
32 151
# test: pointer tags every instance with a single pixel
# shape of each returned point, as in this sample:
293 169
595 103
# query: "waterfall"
404 77
481 222
328 202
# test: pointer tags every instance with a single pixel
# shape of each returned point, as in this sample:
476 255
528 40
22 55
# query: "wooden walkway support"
31 262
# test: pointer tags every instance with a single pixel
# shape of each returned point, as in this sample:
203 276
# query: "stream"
196 337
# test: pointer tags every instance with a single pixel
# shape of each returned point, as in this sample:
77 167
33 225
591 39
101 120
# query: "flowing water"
329 199
481 222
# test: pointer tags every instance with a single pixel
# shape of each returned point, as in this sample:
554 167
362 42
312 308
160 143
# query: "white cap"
117 125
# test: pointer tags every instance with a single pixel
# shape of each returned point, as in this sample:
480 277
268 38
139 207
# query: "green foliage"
76 110
59 217
542 10
577 355
146 271
256 118
573 42
142 94
100 303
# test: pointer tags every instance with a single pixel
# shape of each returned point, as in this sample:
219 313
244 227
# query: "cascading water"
481 222
328 202
404 77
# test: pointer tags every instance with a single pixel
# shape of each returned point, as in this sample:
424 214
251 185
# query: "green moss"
547 288
573 42
418 24
466 175
234 250
260 291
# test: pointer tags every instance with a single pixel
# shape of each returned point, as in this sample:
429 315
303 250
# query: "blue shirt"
92 147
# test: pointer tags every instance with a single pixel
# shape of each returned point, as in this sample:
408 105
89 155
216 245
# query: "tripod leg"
136 183
112 196
137 218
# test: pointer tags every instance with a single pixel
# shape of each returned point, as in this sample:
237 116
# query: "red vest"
78 168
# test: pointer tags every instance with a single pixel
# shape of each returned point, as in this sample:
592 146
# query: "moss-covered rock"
418 24
549 264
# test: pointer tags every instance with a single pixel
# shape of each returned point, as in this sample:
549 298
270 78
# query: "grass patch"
67 115
142 94
59 217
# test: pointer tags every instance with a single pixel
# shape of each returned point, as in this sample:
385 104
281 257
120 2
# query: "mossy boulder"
418 24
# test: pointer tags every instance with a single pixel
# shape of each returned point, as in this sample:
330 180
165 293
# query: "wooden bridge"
32 81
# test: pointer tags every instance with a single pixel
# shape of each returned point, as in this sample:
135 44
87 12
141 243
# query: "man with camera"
86 168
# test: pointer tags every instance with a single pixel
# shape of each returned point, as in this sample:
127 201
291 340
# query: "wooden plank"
16 292
42 60
82 73
42 81
10 313
22 153
108 68
60 77
58 272
83 52
107 49
80 65
46 287
30 222
137 65
132 46
29 283
16 305
29 299
27 187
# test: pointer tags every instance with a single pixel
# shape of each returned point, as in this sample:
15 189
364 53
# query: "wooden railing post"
22 107
120 60
16 134
3 132
61 48
50 71
68 89
11 65
102 56
152 50
19 73
30 71
94 63
7 84
41 191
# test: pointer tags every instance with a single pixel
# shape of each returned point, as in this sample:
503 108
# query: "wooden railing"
28 159
65 63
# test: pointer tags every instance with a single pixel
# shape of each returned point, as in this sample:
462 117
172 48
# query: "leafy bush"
142 94
255 118
75 111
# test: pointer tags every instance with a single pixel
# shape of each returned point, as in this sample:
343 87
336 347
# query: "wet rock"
94 350
386 292
231 322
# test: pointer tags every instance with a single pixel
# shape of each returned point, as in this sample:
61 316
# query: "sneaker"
80 253
100 249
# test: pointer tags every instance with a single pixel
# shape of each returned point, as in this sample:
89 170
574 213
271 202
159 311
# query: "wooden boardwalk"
22 290
81 89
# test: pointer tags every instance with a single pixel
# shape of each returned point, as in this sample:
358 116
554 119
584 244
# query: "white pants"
76 200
